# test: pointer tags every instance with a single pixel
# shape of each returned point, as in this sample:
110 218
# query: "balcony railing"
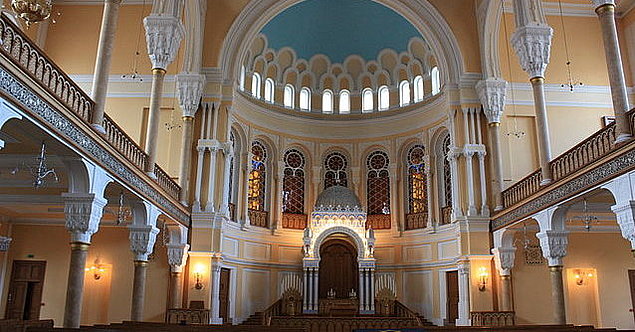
294 220
416 220
258 218
33 62
492 318
378 221
446 215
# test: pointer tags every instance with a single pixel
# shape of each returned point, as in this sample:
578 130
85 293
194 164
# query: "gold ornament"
32 11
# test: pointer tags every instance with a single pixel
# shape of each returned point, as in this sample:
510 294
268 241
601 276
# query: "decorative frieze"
554 246
492 92
83 213
190 91
163 36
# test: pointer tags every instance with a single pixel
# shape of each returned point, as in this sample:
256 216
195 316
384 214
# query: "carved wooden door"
452 291
224 294
25 290
338 269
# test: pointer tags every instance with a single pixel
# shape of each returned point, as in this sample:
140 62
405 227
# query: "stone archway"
338 269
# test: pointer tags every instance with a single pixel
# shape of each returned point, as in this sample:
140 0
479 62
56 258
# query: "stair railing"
273 310
401 310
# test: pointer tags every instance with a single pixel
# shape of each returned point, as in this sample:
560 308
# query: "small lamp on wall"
582 277
482 278
97 269
198 275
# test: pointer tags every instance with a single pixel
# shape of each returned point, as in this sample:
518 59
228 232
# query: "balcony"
50 99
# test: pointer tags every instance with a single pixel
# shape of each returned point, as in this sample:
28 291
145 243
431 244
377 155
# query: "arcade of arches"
394 163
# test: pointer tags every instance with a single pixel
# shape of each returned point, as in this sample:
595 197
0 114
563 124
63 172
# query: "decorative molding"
504 259
142 238
554 246
52 118
532 44
83 213
190 90
625 213
163 37
177 256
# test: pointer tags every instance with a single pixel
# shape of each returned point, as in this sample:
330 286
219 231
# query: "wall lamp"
198 274
482 278
97 269
582 277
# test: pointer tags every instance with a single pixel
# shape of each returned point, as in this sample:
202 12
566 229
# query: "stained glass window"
378 190
257 177
293 182
335 165
417 186
447 173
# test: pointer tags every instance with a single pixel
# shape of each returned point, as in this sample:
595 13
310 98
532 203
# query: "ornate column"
247 157
83 213
190 90
469 154
394 197
279 195
554 249
492 93
464 293
102 63
605 9
177 256
481 167
453 155
215 301
532 43
199 177
228 152
210 206
163 36
504 261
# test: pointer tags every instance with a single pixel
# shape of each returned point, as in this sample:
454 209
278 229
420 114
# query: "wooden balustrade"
446 215
401 310
258 218
124 144
416 220
166 182
378 221
521 189
272 311
188 316
23 52
492 318
294 220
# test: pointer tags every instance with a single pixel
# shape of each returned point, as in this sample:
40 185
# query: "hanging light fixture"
571 83
40 170
32 11
586 218
519 134
123 214
134 75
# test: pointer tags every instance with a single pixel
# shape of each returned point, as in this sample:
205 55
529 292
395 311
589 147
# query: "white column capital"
600 3
142 238
492 93
625 214
163 38
83 213
190 90
177 256
532 44
554 246
504 259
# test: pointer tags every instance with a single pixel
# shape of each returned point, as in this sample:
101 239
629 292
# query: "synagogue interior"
317 165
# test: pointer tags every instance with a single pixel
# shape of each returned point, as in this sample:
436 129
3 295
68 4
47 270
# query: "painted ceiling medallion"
32 11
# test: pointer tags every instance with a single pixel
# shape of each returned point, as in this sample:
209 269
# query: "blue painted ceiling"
339 28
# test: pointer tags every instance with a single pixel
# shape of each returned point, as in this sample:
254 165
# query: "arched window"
293 214
305 99
289 96
378 191
384 98
367 100
436 80
256 199
404 93
335 166
345 102
417 212
446 187
269 90
327 102
418 86
241 83
255 85
233 176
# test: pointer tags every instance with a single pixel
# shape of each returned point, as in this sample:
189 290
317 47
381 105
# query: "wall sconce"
198 274
482 278
582 277
97 269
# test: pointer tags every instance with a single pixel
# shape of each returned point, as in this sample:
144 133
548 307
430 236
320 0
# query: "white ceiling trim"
568 9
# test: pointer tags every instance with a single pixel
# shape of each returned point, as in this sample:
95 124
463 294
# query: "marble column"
176 290
83 213
163 37
504 261
190 91
196 206
177 257
210 206
469 174
215 300
480 155
605 10
102 63
532 43
492 92
142 238
464 294
554 248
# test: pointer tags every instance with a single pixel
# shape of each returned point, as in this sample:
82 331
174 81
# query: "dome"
338 196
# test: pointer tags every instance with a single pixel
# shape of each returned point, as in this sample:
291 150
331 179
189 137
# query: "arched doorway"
338 267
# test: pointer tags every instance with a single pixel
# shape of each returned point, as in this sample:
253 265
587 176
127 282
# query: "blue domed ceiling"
339 28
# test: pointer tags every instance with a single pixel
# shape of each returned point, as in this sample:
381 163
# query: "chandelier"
39 171
586 218
32 11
